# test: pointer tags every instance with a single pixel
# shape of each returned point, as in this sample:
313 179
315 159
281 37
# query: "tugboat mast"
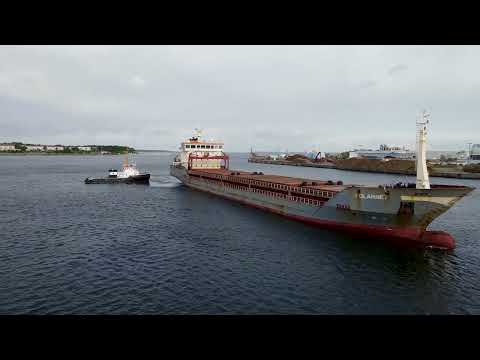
423 181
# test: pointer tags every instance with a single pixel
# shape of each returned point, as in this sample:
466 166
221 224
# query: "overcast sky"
270 98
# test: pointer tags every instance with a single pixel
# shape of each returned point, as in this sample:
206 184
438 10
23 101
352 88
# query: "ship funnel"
423 181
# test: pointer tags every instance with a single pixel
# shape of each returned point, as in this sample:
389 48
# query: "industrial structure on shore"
474 154
384 152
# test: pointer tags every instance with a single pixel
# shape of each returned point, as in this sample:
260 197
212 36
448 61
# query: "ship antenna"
423 181
125 164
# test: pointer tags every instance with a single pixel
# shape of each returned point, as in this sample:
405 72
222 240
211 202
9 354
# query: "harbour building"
7 147
475 154
383 152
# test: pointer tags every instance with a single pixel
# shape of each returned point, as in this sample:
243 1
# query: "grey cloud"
368 84
397 68
268 97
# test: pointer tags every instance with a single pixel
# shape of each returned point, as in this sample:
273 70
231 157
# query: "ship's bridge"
196 153
202 146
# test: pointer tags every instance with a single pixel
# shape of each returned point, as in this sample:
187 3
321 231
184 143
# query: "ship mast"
423 181
198 133
125 163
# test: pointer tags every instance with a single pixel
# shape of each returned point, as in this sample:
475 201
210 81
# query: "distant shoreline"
155 151
55 154
77 154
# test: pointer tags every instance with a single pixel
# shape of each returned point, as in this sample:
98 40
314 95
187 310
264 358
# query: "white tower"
423 181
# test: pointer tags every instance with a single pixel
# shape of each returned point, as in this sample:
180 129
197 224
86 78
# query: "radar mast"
423 181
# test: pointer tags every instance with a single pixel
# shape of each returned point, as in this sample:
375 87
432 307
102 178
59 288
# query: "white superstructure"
127 170
423 181
196 153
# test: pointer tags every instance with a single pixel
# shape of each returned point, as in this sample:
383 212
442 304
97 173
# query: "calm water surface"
71 248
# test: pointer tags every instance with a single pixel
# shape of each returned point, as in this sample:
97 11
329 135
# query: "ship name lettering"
372 196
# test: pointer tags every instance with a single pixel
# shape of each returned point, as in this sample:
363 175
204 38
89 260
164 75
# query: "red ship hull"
412 237
397 215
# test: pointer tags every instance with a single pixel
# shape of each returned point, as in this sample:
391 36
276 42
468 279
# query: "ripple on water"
67 247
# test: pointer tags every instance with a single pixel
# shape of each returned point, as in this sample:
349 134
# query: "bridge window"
202 146
208 146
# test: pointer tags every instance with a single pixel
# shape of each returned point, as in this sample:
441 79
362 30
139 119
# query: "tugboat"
128 175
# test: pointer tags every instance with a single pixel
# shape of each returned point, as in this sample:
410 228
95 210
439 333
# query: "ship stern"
179 172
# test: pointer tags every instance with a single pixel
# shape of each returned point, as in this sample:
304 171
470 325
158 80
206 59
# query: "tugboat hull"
137 179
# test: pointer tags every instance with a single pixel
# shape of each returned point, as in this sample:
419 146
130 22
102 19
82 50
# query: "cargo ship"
396 213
